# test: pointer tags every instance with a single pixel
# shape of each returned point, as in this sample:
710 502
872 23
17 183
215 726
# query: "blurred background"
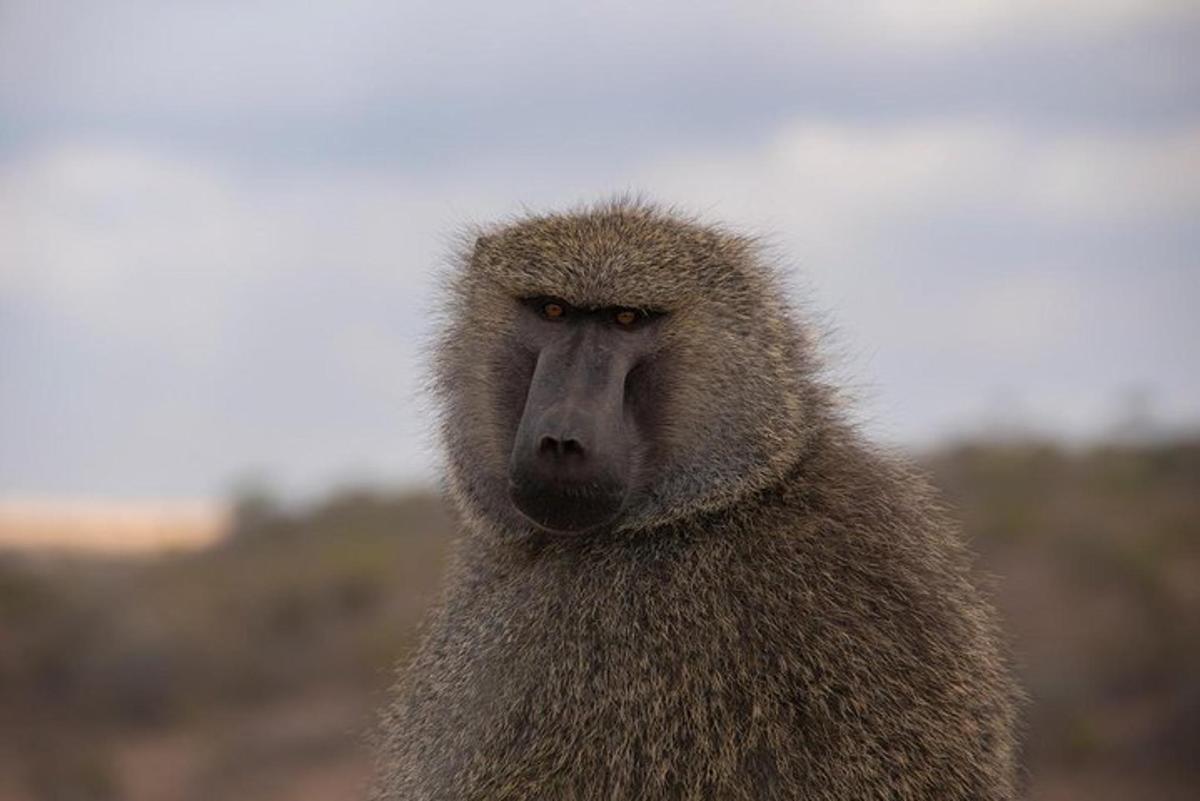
220 230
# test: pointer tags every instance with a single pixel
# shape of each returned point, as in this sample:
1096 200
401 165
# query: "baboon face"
583 427
614 369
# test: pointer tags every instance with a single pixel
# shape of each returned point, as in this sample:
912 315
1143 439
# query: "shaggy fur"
782 613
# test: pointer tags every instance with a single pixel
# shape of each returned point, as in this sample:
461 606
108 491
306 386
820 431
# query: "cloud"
847 178
990 255
163 310
272 80
218 224
186 309
962 24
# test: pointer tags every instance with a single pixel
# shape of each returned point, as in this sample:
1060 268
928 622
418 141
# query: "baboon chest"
633 682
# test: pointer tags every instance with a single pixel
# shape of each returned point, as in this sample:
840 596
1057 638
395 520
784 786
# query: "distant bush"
1096 555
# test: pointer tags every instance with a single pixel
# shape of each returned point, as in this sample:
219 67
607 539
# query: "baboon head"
615 369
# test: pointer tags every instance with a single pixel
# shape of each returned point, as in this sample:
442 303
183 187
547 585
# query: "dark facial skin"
582 432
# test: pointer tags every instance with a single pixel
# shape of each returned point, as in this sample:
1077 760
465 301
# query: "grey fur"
783 614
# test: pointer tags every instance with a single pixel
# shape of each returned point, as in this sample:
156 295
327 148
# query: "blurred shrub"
1098 557
232 671
324 598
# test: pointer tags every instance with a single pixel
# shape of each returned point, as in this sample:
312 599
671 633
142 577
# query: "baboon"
683 574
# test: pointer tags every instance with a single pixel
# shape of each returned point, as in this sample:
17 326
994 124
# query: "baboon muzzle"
569 469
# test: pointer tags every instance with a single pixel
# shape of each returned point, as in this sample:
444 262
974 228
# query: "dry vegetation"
249 670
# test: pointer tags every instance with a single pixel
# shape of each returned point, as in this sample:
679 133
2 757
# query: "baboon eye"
627 317
552 310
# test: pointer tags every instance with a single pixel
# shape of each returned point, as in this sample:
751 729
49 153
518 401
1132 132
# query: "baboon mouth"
566 508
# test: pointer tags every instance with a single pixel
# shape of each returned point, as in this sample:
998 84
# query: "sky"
221 222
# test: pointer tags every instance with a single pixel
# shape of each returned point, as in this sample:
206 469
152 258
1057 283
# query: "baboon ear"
482 245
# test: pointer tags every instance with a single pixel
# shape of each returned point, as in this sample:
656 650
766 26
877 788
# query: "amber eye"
553 311
626 316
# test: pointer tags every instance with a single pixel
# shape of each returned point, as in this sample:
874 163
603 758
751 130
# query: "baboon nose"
560 449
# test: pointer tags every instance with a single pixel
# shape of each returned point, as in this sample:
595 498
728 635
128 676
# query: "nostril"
554 448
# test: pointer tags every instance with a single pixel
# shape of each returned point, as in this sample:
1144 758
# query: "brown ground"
249 670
